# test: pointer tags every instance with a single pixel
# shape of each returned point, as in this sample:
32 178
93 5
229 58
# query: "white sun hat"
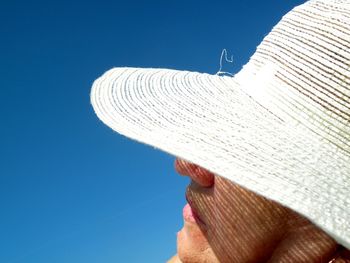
280 127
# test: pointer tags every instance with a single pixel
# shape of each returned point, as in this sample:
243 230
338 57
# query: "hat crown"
309 50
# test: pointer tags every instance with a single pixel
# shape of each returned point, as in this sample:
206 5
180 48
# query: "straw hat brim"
212 121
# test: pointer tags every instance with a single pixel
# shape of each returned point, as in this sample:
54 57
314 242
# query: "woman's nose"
198 174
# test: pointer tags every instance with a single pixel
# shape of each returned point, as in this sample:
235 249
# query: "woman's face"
227 223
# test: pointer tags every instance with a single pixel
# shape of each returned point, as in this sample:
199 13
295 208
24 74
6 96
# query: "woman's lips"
188 214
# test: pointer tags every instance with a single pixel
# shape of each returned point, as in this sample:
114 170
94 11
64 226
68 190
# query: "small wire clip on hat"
220 71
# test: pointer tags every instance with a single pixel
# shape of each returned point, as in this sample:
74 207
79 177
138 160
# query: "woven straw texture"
280 127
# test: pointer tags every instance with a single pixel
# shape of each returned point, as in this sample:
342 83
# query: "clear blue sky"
71 189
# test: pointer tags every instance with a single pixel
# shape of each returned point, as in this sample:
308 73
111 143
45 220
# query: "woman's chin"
192 244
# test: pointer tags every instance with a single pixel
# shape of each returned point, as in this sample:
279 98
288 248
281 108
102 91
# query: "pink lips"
188 214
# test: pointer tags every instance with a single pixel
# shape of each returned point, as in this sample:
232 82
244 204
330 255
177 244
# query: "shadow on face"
237 225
